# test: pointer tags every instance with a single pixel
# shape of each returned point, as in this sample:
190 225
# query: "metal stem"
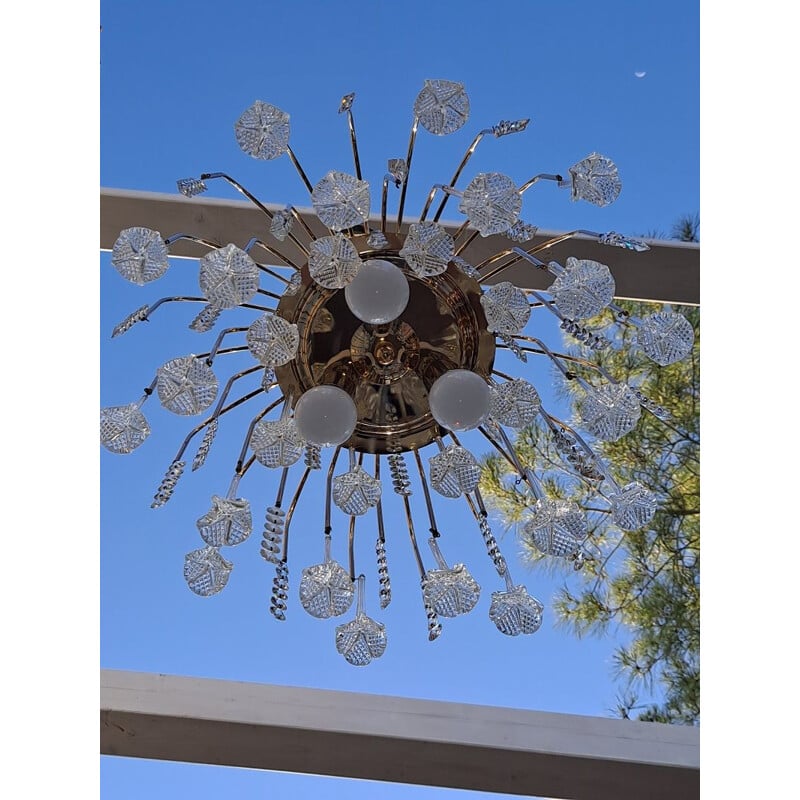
290 514
413 537
328 486
467 242
536 178
460 169
431 517
211 355
256 241
252 426
378 507
299 169
351 536
404 188
192 238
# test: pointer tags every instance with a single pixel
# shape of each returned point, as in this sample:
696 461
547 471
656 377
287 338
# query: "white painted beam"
395 739
668 272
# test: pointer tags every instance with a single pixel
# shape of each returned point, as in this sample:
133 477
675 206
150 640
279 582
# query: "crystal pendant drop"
632 507
228 522
341 200
277 443
326 589
228 276
140 255
362 639
449 591
186 385
665 337
491 203
515 612
507 309
557 527
333 261
596 180
206 571
454 471
428 249
123 428
610 411
272 340
356 492
281 224
583 289
442 107
514 403
263 131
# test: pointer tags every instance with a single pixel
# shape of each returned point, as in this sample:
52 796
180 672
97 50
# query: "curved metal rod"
431 517
300 171
378 507
256 241
513 459
467 242
290 514
412 535
192 238
211 355
541 177
561 356
328 483
404 188
252 426
268 293
351 556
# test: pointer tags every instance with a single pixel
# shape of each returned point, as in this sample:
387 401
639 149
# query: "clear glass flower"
466 268
281 224
618 240
514 403
398 169
263 131
228 523
206 571
377 240
186 385
277 443
428 248
442 107
355 492
557 527
326 590
521 231
333 261
507 309
610 411
515 612
666 337
596 180
454 471
361 639
190 187
450 592
294 285
583 289
633 507
491 202
272 340
140 255
123 428
228 276
341 201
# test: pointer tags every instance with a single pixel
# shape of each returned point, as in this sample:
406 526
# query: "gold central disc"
387 369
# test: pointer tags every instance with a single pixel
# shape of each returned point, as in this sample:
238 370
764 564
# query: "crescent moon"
640 74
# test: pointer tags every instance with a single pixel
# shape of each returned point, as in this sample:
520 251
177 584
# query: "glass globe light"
459 400
378 293
325 416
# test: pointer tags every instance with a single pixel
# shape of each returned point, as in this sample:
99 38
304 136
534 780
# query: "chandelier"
377 352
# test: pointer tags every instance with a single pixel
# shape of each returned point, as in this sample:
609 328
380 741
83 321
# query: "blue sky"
174 78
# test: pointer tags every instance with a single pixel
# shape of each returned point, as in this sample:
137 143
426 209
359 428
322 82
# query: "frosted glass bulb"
459 400
325 415
378 293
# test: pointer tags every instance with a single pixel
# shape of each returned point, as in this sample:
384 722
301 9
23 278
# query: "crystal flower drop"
228 523
596 180
450 592
557 527
277 443
428 249
454 471
263 131
521 231
341 201
140 255
442 107
618 240
361 640
206 571
666 337
515 612
186 385
355 492
514 403
491 203
228 276
333 261
398 169
123 428
611 411
326 590
583 289
377 240
281 224
507 309
632 507
272 340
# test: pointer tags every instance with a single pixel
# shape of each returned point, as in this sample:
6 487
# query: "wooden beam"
668 272
395 739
